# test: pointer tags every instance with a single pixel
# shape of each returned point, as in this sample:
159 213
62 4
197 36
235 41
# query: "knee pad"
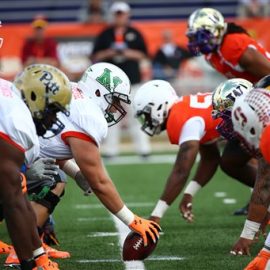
46 198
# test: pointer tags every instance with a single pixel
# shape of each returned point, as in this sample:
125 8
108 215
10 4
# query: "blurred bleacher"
22 11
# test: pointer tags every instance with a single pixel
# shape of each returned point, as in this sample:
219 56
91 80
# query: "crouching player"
44 90
189 124
251 121
96 103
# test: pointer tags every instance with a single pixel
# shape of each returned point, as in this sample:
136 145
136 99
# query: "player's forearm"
260 198
106 192
173 187
205 171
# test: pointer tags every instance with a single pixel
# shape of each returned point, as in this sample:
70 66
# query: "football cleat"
43 263
12 260
261 262
54 253
5 248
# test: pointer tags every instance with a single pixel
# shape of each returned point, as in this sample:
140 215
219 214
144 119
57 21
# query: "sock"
267 243
28 264
38 252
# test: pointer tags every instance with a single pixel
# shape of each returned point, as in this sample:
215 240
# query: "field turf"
87 230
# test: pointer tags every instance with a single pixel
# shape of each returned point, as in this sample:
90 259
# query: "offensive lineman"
96 103
45 90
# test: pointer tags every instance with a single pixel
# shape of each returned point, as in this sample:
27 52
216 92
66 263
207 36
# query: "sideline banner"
76 40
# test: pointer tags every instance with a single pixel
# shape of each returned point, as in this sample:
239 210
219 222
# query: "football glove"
42 169
146 228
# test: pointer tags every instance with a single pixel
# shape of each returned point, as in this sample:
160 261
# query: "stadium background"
151 17
202 245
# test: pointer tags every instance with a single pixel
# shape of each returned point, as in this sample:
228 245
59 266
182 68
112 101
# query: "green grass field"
205 244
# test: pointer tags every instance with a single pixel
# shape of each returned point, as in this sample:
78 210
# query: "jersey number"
201 101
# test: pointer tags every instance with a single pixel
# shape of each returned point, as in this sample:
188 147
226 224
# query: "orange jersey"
226 59
265 144
199 105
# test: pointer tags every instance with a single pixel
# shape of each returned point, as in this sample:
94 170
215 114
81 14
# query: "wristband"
192 188
125 215
71 168
160 209
250 229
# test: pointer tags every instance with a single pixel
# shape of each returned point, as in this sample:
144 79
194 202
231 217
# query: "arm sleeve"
193 130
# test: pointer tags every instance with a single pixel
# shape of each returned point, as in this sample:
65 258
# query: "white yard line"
123 231
163 258
152 159
229 201
100 205
82 219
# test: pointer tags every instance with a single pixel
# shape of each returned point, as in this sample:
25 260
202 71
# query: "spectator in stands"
253 8
39 48
93 12
168 58
123 46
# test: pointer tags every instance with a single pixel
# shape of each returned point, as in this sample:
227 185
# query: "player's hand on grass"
185 208
146 228
242 247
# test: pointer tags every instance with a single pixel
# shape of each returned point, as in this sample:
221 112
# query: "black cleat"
242 211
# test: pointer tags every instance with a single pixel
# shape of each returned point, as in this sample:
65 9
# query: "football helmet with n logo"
108 86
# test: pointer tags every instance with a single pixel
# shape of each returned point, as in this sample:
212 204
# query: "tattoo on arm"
261 192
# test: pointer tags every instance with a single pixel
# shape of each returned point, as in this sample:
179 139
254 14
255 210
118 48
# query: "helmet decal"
49 83
105 80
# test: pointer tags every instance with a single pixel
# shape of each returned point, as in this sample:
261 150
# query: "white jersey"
16 123
86 121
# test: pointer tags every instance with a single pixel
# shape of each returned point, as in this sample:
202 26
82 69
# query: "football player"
229 49
189 124
27 110
226 46
250 116
256 211
234 159
97 102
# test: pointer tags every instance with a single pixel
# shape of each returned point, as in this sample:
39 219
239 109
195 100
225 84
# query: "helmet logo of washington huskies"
237 92
47 80
109 82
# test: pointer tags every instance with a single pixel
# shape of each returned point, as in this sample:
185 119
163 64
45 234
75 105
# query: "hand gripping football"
134 249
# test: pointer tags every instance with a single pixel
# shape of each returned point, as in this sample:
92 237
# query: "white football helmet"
206 27
152 103
250 114
107 85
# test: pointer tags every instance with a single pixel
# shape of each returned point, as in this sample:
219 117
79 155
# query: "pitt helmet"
46 90
108 86
152 103
223 99
206 27
250 115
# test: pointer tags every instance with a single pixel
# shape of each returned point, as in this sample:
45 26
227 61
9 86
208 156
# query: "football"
133 248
